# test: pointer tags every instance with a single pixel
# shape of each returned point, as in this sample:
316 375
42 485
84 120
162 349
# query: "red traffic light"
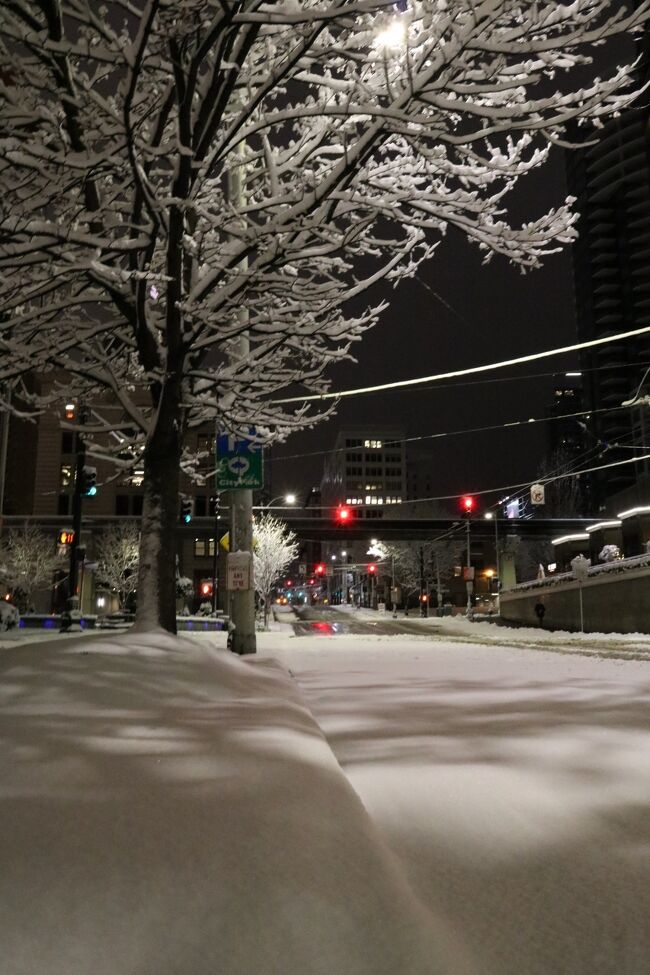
206 588
289 582
467 504
320 569
372 569
343 514
65 537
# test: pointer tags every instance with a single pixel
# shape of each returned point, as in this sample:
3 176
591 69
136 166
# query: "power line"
524 484
455 433
506 363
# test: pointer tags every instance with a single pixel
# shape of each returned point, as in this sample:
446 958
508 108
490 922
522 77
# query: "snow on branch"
194 193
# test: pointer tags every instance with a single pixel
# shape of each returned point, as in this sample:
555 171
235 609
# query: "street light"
287 498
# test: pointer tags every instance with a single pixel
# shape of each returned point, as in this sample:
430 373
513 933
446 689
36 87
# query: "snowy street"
513 785
167 805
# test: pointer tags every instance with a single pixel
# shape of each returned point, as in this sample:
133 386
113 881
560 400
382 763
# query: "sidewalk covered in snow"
170 809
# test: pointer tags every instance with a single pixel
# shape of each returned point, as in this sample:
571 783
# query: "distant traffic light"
467 504
320 569
205 588
89 482
372 569
187 510
343 514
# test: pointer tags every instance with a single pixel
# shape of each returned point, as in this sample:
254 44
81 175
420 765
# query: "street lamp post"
288 499
491 517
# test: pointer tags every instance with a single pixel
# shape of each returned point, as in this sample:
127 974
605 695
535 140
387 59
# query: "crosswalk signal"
187 510
65 537
89 482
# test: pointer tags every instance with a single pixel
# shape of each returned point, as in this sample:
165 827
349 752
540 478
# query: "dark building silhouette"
611 181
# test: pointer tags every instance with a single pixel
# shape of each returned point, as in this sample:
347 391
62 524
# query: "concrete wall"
612 603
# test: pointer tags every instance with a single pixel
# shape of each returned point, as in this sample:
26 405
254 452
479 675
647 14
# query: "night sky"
495 312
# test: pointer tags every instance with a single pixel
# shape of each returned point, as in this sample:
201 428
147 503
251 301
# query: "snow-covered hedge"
620 565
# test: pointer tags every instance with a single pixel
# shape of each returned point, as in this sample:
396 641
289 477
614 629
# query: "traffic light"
65 537
320 569
467 504
187 510
372 569
343 514
289 583
89 482
205 589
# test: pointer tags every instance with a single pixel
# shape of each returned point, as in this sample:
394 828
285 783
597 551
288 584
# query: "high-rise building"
610 177
367 470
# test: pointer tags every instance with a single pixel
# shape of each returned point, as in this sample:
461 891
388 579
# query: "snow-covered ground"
169 809
513 785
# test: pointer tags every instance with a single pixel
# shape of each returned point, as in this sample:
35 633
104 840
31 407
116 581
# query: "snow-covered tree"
275 547
28 561
117 559
433 560
199 195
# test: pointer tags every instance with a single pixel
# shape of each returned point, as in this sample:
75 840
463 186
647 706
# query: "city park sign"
239 464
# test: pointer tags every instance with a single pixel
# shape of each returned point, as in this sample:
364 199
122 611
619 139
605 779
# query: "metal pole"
392 587
215 557
423 608
469 565
76 524
582 618
496 551
4 446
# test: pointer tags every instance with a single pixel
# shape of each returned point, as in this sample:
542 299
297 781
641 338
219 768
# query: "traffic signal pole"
73 577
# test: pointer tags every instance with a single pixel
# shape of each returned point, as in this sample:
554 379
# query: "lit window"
199 547
66 475
137 478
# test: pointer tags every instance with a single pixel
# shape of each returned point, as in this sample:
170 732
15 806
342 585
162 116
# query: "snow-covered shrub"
610 553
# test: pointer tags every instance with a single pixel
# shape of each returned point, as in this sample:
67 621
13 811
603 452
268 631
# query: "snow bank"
169 809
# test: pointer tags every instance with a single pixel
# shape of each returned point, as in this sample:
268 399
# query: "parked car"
9 616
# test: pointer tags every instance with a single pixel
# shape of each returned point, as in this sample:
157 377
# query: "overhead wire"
473 370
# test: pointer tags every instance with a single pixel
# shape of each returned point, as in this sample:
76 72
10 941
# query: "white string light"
506 363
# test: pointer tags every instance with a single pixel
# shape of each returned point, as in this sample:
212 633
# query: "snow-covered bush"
610 553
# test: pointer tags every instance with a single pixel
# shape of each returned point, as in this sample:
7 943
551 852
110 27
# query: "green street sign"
239 464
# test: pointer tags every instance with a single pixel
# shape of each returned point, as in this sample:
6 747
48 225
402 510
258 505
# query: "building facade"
39 486
611 182
365 470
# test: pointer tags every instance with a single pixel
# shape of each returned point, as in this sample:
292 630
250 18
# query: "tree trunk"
156 604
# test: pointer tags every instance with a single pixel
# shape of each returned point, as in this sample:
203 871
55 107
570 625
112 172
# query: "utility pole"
4 446
423 601
242 601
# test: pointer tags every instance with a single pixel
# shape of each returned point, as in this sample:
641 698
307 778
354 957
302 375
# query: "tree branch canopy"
356 136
